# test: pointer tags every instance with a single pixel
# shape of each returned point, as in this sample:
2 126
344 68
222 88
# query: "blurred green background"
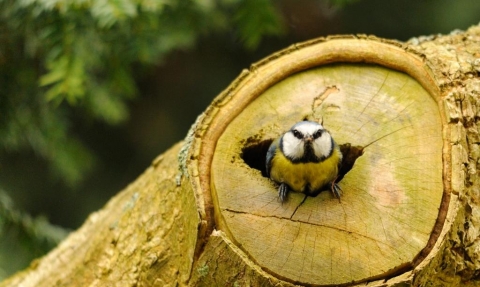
92 91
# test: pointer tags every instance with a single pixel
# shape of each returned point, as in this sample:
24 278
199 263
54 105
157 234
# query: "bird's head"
307 141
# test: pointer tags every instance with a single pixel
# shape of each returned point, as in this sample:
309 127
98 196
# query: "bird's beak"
308 139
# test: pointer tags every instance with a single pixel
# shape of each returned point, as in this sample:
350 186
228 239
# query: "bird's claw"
282 192
336 190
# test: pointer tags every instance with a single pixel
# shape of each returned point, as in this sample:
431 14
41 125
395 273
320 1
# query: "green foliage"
65 58
255 19
59 56
22 238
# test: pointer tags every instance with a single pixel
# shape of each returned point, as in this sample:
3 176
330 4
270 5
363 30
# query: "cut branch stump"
405 115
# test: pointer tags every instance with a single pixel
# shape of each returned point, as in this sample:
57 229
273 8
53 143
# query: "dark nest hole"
255 155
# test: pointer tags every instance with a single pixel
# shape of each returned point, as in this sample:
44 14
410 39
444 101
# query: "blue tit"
304 159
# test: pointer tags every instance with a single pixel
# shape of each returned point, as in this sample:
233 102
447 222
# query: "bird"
304 159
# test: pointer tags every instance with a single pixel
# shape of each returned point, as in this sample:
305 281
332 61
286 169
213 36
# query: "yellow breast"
305 177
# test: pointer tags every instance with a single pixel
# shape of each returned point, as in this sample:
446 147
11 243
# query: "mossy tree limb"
410 212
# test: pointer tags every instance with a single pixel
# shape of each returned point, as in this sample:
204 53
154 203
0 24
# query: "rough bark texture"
174 229
455 63
145 236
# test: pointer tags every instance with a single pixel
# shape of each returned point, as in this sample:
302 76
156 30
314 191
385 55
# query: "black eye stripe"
297 134
317 134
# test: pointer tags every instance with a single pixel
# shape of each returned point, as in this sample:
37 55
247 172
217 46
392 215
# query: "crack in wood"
298 206
384 136
310 223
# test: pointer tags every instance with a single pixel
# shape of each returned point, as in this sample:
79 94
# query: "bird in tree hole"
305 159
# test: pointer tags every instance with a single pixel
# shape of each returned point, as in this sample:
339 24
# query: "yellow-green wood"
144 236
391 196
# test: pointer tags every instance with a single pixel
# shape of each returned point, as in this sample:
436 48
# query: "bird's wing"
270 153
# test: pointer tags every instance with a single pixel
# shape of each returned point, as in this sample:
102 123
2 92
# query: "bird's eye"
317 134
297 134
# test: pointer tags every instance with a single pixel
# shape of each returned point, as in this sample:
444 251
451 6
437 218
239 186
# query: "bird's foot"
336 190
283 192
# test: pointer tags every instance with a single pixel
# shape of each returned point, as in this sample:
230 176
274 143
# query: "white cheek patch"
323 145
292 147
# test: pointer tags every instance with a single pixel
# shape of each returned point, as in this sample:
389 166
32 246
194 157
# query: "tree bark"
204 214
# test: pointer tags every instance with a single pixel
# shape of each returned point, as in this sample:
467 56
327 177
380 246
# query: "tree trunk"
405 115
